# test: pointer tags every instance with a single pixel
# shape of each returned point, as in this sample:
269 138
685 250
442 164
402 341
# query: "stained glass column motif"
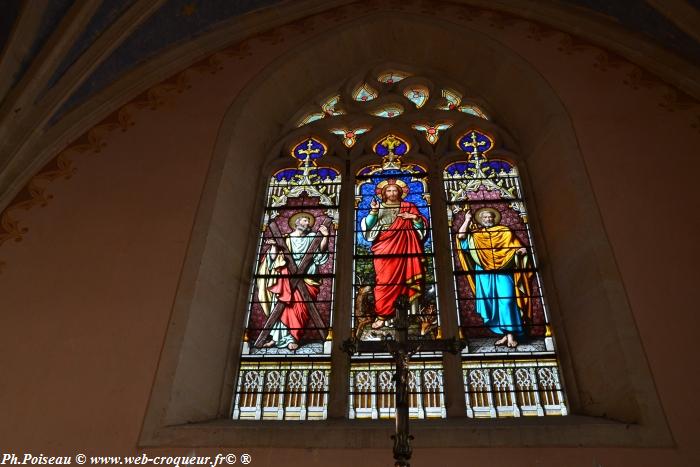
393 257
287 341
510 366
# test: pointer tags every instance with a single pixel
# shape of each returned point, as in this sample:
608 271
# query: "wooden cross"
296 283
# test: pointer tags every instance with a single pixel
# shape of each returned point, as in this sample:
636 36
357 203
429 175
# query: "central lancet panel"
393 257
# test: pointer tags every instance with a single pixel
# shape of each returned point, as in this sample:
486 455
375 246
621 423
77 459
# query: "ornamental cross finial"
390 143
309 150
307 163
474 144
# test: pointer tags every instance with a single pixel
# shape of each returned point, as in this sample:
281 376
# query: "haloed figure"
287 331
396 230
500 287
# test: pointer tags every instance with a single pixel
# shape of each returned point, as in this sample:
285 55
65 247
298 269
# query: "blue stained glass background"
480 138
399 150
322 172
315 146
461 167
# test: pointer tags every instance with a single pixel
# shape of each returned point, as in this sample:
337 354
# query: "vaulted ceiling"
56 55
167 23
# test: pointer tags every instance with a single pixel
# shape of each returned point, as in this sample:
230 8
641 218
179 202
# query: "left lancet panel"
287 339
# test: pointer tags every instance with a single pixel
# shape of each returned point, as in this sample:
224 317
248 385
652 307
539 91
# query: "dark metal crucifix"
295 283
401 348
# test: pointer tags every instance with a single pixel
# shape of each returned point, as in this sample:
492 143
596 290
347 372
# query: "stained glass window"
287 339
417 94
390 77
389 111
452 99
432 132
349 136
373 390
332 106
364 93
501 309
473 110
312 117
509 367
393 257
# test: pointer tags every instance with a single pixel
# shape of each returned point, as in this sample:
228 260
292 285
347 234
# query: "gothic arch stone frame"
614 405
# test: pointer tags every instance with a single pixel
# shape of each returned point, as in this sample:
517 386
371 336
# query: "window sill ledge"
569 431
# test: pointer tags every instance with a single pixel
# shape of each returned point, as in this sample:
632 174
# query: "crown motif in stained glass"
475 143
391 148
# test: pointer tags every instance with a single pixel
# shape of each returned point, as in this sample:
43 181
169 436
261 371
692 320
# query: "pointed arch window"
391 159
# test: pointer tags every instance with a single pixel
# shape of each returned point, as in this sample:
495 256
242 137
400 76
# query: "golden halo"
496 215
293 219
391 181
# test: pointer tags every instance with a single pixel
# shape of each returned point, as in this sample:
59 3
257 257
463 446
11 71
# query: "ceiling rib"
32 120
680 13
18 44
19 102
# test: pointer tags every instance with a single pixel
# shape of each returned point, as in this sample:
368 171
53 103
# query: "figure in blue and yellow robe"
500 286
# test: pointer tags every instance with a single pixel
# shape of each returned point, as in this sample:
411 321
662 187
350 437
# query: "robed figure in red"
396 230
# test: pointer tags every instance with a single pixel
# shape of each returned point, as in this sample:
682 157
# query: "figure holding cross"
288 301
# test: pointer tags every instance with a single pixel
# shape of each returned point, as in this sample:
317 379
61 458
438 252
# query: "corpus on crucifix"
402 348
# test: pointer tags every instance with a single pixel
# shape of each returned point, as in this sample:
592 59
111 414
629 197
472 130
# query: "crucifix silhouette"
296 282
402 349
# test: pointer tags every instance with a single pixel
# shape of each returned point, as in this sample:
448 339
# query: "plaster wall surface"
88 292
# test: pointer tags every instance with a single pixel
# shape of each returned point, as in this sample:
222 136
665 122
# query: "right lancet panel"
502 314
